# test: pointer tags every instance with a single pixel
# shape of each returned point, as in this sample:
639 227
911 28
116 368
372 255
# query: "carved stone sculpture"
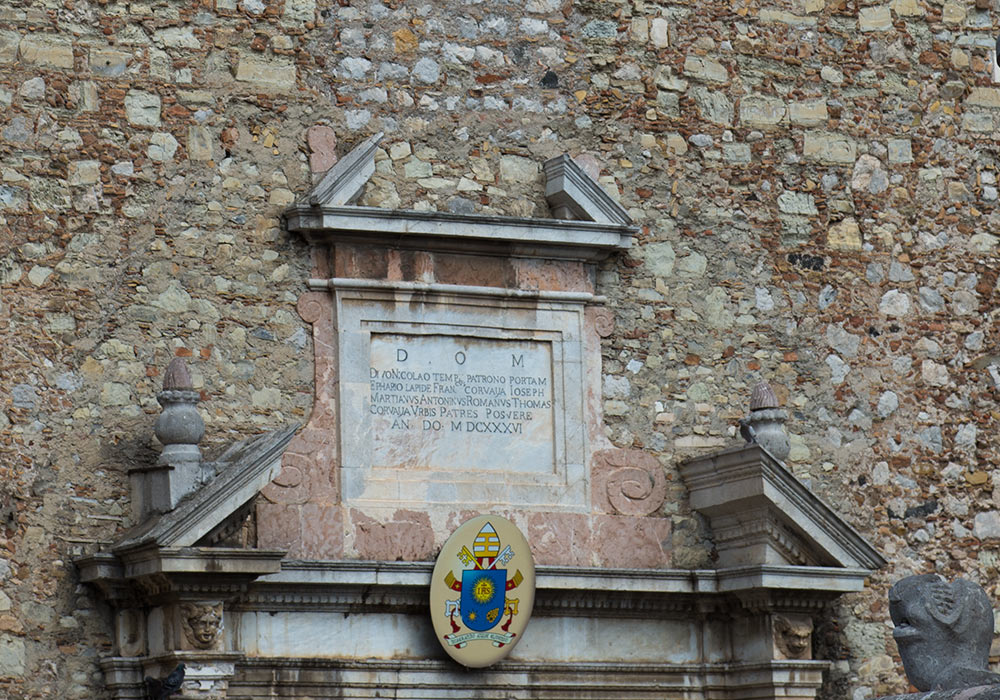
793 637
943 631
202 623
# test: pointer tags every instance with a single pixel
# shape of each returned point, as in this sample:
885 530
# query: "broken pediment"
573 194
241 472
761 514
587 225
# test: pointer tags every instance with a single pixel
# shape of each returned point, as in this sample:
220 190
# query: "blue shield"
484 592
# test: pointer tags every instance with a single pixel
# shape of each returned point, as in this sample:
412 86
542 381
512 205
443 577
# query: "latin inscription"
445 401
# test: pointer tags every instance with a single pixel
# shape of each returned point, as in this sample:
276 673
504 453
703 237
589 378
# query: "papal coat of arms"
482 590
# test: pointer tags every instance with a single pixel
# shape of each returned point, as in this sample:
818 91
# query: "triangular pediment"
241 472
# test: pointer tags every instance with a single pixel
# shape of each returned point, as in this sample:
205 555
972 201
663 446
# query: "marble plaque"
437 401
454 396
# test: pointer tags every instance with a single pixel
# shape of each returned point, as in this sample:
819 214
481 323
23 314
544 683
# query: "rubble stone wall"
815 182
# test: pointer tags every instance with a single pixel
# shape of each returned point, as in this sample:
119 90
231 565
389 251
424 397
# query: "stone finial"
177 376
762 396
767 420
179 427
943 631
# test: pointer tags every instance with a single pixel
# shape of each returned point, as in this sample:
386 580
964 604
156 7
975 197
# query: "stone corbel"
208 674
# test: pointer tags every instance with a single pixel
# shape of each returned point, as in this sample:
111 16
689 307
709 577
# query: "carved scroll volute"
602 319
629 482
309 468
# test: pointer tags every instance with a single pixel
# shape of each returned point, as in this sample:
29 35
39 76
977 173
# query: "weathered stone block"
844 235
782 17
900 151
760 111
32 89
84 172
953 13
977 121
12 656
518 169
712 104
704 68
984 97
300 10
8 46
108 63
49 195
85 94
908 8
868 174
266 74
322 142
177 38
639 30
199 143
195 97
875 19
142 108
659 33
895 303
736 152
162 146
659 258
668 103
797 203
828 147
810 113
46 50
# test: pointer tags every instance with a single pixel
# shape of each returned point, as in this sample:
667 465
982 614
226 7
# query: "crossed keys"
451 607
467 557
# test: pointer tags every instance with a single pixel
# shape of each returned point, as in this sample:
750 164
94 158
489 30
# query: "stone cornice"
148 571
356 586
512 666
690 581
394 286
462 233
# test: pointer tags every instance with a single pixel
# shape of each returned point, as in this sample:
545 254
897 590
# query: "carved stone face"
793 638
202 623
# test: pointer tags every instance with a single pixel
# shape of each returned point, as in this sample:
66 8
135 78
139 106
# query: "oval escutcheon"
482 591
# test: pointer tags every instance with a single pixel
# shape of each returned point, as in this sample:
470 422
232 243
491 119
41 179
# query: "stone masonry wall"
815 181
